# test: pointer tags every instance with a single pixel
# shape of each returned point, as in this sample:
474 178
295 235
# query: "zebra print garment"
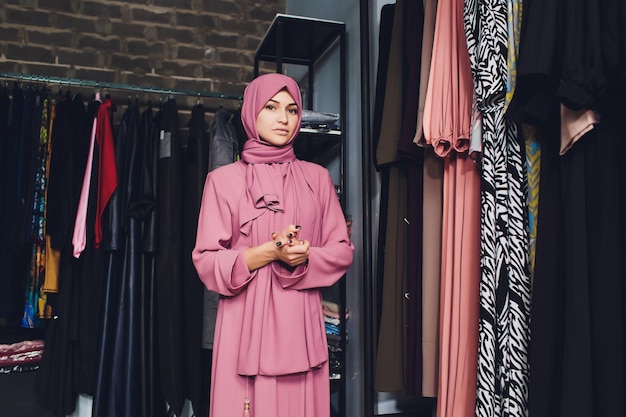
504 327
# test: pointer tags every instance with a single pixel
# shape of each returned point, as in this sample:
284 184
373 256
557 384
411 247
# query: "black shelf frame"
305 41
308 41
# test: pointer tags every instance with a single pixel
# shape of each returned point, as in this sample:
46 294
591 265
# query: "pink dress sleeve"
329 260
448 105
219 267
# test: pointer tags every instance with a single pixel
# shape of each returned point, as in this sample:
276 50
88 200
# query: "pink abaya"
447 116
270 341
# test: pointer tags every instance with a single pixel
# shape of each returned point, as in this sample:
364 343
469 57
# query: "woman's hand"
284 246
289 248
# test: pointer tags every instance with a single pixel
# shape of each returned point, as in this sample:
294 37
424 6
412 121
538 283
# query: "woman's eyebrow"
277 102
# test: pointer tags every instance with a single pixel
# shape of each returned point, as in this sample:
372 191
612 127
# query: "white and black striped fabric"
505 288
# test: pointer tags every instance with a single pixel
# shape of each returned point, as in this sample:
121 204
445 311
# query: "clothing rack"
114 86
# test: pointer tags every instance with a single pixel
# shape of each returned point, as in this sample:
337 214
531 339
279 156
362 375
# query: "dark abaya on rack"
123 386
168 274
578 326
195 162
126 318
400 161
10 300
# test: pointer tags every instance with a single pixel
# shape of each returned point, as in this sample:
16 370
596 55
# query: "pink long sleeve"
330 259
79 238
217 256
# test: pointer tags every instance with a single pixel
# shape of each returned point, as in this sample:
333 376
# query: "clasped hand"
289 248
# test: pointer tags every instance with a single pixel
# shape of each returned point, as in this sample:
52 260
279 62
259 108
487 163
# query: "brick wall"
190 45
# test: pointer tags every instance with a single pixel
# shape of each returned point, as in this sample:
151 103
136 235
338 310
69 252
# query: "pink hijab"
263 192
278 194
255 97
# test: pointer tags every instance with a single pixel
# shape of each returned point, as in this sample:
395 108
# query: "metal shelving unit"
305 41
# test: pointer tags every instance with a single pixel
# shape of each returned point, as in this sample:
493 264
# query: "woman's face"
277 121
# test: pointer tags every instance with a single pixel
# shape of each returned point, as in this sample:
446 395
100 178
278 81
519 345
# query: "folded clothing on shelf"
21 356
320 121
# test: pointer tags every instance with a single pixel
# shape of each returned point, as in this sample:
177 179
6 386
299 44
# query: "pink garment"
447 121
574 125
270 339
448 106
460 282
79 238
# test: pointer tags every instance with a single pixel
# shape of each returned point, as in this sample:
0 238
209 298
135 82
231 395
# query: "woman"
271 233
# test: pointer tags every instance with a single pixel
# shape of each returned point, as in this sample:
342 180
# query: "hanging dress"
432 210
35 300
504 332
196 157
447 116
390 353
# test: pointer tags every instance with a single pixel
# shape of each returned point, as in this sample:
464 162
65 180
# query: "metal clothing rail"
114 86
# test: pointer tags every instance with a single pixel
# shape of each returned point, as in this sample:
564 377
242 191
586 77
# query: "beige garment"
431 270
574 125
430 14
391 122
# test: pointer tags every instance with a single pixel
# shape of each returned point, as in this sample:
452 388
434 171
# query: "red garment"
107 169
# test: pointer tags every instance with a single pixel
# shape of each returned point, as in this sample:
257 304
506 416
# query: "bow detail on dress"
263 193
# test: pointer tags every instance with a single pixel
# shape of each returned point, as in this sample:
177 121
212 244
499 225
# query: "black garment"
58 214
538 65
68 362
145 208
613 44
401 197
12 294
386 23
387 14
195 171
606 244
169 258
15 251
583 80
146 205
412 59
570 55
548 283
412 157
5 125
117 385
579 322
